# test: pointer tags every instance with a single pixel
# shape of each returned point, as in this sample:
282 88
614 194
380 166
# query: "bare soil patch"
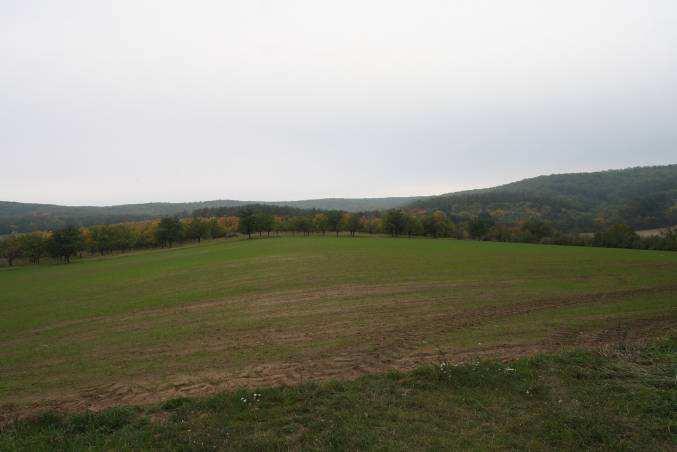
391 340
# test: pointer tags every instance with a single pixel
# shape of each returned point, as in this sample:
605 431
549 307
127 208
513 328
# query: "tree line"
436 224
61 245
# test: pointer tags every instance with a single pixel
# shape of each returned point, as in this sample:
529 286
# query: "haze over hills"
644 197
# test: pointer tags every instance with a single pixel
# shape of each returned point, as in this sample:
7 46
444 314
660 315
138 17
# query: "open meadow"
148 327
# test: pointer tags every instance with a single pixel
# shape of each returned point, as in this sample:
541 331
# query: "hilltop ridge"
643 197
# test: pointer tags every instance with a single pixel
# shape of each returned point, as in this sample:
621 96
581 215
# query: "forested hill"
644 198
26 217
351 204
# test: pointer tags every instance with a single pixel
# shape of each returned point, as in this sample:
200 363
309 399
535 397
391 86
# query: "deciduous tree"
264 222
10 249
34 246
65 243
334 220
394 222
197 229
321 222
169 231
479 226
247 222
352 223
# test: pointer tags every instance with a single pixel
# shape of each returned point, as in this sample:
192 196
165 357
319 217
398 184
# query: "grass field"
193 321
620 399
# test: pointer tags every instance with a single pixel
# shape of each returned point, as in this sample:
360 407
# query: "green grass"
623 399
148 326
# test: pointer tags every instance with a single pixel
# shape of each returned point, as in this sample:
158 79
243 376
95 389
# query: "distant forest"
642 198
18 217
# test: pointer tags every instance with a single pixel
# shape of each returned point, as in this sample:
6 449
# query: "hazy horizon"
151 101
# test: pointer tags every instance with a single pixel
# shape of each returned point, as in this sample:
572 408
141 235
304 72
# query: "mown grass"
218 311
621 399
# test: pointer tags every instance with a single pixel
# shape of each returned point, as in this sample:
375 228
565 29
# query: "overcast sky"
108 102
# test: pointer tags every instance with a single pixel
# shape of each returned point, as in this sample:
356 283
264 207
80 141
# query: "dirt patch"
398 336
393 354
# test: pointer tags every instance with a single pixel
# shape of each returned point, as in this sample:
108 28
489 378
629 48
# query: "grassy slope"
621 400
199 319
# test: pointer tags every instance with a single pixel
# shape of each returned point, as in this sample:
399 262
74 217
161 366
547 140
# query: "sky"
110 102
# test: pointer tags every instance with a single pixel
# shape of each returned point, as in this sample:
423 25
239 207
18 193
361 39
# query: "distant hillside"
643 198
351 204
26 217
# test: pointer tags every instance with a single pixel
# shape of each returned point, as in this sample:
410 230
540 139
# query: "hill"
26 217
643 197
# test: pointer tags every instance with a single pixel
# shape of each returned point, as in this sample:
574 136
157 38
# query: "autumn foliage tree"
321 222
10 249
435 224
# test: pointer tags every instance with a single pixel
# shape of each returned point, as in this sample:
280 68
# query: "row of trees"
63 244
60 245
400 222
393 222
335 221
105 239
